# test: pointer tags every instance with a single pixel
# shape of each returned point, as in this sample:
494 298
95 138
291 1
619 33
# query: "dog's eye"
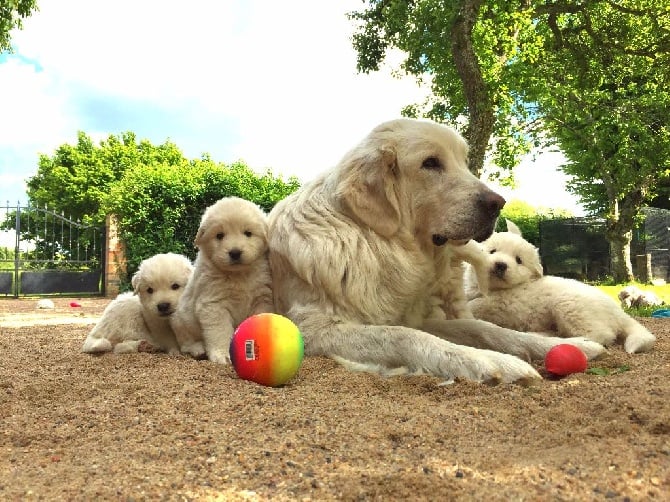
518 260
248 233
150 291
492 251
175 286
220 235
432 163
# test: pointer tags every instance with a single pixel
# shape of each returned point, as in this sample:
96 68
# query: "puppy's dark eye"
492 251
175 286
150 291
518 260
248 233
220 235
432 163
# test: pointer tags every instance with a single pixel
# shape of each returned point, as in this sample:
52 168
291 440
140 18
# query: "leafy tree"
606 66
77 178
12 14
592 74
469 49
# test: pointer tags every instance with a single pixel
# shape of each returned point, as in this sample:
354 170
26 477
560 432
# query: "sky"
271 83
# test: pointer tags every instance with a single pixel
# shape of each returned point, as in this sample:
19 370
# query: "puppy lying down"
520 297
141 318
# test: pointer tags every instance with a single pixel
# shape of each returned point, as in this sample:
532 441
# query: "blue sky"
271 83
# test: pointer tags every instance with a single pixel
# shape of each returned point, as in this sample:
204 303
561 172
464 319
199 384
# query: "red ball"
565 359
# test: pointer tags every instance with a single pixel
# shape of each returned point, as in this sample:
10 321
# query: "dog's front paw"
219 356
195 349
492 368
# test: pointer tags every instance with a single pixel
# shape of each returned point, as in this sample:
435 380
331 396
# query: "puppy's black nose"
163 307
439 240
491 203
499 269
235 254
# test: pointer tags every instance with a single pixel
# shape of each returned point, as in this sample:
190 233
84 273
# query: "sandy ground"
155 427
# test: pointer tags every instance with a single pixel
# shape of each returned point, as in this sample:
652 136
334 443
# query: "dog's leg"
485 335
217 333
398 347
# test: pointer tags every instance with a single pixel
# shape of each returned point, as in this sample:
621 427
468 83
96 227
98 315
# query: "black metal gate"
46 253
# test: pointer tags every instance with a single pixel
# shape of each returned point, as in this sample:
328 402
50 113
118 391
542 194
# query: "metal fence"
46 253
578 247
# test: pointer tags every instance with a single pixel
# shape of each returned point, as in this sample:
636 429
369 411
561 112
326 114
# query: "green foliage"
159 206
157 194
77 178
12 14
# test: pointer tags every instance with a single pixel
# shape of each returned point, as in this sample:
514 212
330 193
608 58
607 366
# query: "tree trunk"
482 118
622 268
620 224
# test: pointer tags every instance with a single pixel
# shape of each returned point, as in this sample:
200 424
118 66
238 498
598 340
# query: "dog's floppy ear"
367 186
512 228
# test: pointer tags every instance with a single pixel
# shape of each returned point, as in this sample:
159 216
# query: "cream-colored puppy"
521 297
632 296
231 280
143 316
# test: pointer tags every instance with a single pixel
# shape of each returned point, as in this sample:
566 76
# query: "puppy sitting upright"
143 316
520 297
231 280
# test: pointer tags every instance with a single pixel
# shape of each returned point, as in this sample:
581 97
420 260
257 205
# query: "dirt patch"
151 426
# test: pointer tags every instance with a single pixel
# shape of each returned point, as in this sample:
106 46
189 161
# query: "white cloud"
272 83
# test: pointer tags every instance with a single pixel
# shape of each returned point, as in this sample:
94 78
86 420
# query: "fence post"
115 266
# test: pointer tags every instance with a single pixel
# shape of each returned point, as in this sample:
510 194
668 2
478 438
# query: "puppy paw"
146 346
219 356
195 349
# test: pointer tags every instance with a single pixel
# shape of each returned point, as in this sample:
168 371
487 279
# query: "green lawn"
662 291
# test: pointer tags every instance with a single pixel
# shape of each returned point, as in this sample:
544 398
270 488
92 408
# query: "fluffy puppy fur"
521 297
231 280
356 255
632 296
135 319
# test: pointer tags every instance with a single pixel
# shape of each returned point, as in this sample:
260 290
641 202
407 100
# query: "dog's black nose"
163 307
491 203
499 269
235 254
439 240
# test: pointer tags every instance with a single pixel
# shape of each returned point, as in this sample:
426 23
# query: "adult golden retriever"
356 257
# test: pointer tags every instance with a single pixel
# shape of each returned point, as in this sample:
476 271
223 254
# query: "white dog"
521 297
357 254
632 296
135 319
231 280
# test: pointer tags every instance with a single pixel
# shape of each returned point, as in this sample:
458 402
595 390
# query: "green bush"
159 207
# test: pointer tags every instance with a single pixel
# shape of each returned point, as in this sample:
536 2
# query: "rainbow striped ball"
267 349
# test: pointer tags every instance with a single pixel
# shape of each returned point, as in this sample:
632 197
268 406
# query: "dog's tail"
636 338
95 345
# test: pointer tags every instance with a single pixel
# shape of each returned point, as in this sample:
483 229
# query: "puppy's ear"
199 236
537 270
135 282
367 186
512 228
